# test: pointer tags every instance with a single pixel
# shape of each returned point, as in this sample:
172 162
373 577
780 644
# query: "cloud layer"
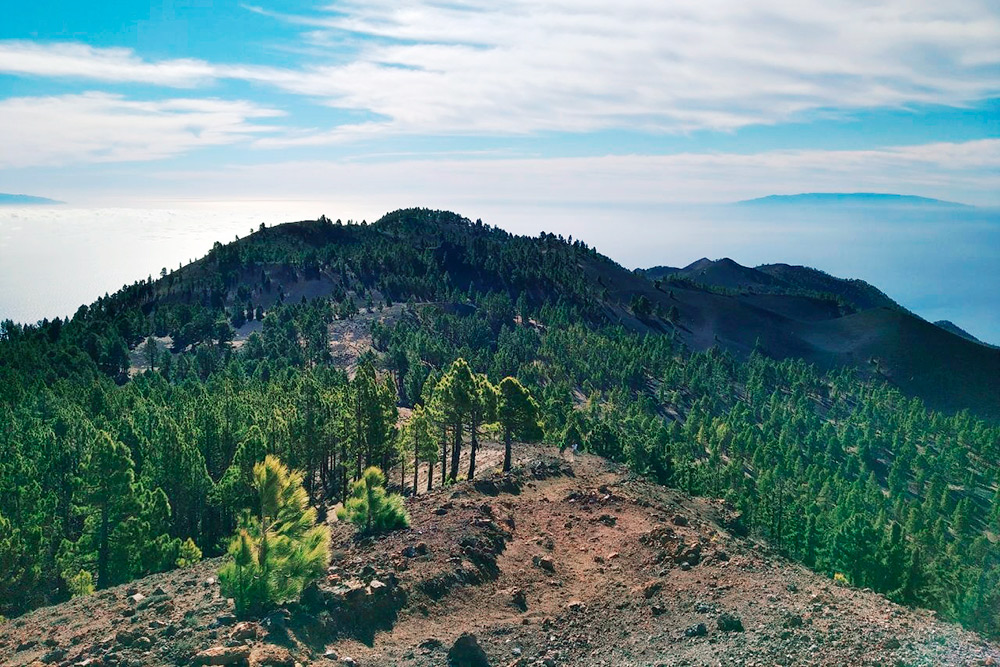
525 66
101 127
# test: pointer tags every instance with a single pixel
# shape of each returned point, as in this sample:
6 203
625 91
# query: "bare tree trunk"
506 450
416 466
456 451
473 447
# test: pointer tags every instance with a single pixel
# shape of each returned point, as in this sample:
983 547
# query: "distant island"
22 200
866 198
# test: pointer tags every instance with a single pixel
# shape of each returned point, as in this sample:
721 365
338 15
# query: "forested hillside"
133 426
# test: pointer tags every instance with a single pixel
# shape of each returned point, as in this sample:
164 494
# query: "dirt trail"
559 563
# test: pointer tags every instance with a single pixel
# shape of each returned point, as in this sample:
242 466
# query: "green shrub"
188 553
81 583
279 552
370 508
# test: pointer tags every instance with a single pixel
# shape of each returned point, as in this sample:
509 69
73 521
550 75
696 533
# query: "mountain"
848 199
775 279
794 311
948 325
557 563
860 443
24 200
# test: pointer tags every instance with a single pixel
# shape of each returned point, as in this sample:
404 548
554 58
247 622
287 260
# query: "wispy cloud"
99 127
948 170
479 67
113 65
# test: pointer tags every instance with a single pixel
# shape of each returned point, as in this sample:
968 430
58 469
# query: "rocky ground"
559 563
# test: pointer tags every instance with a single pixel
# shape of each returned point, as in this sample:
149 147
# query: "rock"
377 587
441 511
221 655
245 630
431 643
276 620
607 520
90 662
409 552
891 644
680 520
699 630
702 608
55 655
330 654
225 619
269 655
651 588
159 591
792 621
421 549
792 588
575 605
142 643
545 563
730 623
688 553
136 598
658 610
209 582
519 599
127 637
348 661
466 652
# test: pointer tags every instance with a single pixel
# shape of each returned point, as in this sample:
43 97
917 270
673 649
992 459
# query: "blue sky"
568 100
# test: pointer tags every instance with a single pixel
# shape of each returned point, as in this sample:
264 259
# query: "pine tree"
237 488
483 408
280 550
454 396
517 412
106 493
370 508
417 434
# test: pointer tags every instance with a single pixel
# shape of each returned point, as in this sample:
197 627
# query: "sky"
555 100
613 121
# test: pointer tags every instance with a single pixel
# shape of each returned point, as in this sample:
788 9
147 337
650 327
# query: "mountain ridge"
25 200
849 198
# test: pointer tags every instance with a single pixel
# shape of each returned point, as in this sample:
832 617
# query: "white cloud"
482 67
526 66
101 64
966 171
98 127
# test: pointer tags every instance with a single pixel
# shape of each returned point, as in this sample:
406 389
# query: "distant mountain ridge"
17 200
776 279
849 198
948 325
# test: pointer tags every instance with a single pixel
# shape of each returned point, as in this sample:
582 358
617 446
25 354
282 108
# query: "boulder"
699 630
466 652
222 655
245 630
651 588
269 655
545 563
730 623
